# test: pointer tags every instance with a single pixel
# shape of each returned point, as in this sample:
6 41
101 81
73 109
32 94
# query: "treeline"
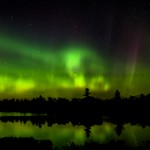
84 107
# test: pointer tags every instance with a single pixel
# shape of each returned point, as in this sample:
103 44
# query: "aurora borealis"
32 68
58 49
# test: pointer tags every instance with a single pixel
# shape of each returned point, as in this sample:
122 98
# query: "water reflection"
15 114
59 134
62 135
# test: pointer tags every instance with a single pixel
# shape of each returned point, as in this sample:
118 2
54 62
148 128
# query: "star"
12 19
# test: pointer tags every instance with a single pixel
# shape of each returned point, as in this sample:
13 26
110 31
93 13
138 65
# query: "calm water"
61 135
14 114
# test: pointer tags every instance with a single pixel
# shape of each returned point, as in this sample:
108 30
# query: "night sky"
58 48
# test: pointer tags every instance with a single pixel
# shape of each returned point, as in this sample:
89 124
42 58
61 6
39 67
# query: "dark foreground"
29 143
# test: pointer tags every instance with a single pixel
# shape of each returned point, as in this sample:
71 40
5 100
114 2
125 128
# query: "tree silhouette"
87 93
117 95
87 130
119 129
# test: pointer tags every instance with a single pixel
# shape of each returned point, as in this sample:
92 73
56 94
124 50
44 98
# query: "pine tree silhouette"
117 95
87 93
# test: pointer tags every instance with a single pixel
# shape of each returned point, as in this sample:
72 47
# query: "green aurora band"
29 69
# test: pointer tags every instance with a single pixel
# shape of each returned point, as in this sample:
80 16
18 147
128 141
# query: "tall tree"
117 95
87 93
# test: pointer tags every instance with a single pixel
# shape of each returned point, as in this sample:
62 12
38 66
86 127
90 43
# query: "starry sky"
58 48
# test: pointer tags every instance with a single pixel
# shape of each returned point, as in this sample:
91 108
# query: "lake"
62 134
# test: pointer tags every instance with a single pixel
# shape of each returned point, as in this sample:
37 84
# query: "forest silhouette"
133 106
87 111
